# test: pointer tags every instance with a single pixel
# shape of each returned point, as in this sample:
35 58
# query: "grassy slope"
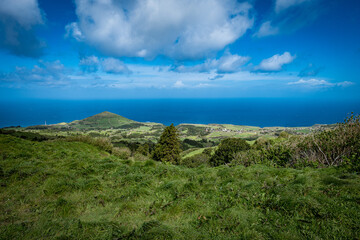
61 190
102 120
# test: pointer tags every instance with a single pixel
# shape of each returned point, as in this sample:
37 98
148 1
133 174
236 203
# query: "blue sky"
111 49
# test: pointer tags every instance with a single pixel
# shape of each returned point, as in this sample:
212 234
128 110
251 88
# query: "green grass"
193 151
71 190
104 120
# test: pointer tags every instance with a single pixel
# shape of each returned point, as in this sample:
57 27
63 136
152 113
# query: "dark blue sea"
250 111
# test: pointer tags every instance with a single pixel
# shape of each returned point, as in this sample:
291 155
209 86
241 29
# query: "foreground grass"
71 190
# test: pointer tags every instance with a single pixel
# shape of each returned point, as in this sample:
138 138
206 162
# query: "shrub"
226 150
279 154
247 158
208 151
261 143
143 149
284 134
123 153
196 160
340 146
140 157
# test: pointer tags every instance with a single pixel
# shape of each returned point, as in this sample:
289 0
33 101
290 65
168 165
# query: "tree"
168 147
226 150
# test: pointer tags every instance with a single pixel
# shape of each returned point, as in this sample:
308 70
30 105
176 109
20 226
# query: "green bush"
208 151
261 142
337 147
248 158
143 149
284 134
123 153
226 150
279 154
196 160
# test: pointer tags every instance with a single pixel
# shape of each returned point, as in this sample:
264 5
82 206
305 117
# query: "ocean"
263 112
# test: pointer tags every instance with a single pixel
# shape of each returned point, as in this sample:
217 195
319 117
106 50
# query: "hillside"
72 190
104 120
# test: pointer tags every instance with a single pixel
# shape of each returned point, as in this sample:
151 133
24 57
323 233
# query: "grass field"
71 190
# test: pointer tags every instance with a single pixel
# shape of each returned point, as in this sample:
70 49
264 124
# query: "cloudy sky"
110 49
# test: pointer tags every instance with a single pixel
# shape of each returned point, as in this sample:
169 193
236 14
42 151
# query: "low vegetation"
77 186
336 147
74 190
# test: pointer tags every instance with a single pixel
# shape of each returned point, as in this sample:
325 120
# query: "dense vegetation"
339 147
226 150
168 147
88 187
73 190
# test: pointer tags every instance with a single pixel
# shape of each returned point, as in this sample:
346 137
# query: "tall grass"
74 190
100 142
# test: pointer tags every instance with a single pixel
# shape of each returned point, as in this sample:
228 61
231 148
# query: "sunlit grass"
72 190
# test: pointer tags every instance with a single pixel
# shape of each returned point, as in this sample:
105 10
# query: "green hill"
72 190
104 120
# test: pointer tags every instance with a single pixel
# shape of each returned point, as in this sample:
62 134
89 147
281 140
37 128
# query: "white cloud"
266 29
275 63
186 29
320 83
146 76
143 76
113 65
345 84
91 64
73 30
228 63
312 82
281 5
44 73
179 84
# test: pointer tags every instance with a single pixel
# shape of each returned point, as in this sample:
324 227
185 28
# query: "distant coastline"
259 112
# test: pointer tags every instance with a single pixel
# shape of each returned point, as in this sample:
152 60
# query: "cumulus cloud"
228 63
320 83
17 22
89 64
113 65
92 64
275 63
187 29
73 30
44 73
266 29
